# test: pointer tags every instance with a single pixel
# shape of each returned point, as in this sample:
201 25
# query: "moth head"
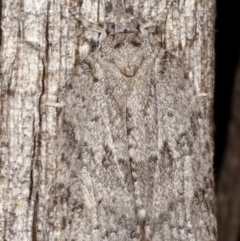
123 23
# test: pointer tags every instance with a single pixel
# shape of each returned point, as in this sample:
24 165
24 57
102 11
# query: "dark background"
227 45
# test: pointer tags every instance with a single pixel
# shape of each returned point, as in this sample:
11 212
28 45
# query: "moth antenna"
123 6
120 6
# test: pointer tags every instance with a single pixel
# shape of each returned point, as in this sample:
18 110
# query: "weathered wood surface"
40 42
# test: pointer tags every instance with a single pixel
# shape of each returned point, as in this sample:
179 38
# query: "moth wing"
101 200
180 195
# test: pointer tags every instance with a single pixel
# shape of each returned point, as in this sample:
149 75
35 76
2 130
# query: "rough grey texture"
40 43
137 146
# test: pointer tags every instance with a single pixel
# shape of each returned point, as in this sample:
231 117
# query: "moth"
135 153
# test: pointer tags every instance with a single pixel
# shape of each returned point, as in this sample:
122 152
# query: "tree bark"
40 44
228 195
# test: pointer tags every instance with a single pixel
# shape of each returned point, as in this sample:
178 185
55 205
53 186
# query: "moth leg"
161 17
87 24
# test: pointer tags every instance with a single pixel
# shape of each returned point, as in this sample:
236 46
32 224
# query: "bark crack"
34 223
